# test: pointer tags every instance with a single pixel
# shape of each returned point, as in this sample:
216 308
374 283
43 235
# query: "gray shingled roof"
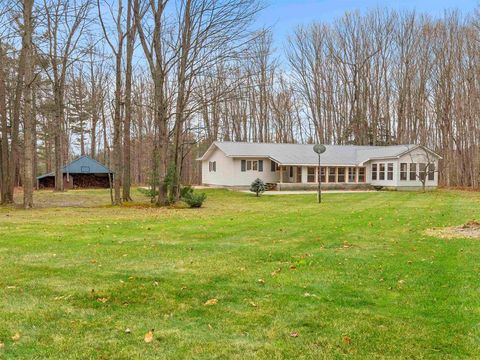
301 154
83 165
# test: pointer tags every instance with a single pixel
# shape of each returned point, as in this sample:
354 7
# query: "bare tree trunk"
128 105
6 196
28 118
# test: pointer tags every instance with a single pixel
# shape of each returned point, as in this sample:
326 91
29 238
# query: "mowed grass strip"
354 277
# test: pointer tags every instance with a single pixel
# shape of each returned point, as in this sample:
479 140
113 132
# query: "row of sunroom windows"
408 171
330 174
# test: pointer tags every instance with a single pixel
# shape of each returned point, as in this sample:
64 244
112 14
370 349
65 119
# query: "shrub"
148 192
258 187
186 191
194 200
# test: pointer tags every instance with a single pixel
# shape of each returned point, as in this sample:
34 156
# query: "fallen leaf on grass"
211 302
274 273
261 281
16 337
2 345
148 338
293 267
253 304
128 331
294 334
347 340
102 300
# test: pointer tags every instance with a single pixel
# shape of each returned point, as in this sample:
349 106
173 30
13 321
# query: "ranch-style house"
295 166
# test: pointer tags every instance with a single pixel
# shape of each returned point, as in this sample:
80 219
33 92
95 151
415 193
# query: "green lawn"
355 277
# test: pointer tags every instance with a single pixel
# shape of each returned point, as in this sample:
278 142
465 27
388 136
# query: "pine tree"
258 187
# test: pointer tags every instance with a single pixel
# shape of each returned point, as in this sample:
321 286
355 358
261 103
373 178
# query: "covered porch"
291 177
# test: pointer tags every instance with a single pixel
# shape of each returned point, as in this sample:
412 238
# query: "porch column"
281 173
304 174
327 172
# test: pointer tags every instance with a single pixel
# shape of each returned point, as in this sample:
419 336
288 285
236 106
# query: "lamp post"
319 149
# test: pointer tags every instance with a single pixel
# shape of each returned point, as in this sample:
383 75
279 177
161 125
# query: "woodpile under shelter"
83 172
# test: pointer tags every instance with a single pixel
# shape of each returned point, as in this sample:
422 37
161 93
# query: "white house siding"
245 178
228 171
415 156
385 182
225 174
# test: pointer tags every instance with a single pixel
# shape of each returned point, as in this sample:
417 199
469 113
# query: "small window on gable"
85 169
214 166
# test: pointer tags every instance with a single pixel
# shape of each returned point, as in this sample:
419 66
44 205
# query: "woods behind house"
146 86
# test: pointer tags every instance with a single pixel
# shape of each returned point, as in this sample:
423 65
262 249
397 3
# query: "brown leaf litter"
470 229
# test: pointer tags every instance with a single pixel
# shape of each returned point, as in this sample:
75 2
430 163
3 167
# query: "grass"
355 277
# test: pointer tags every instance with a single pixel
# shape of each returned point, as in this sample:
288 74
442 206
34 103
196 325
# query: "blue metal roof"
83 165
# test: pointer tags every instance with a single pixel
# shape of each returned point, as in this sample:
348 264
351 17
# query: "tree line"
145 86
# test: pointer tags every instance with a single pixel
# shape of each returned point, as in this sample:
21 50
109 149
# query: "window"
413 171
273 166
322 174
311 174
299 174
351 174
381 174
85 169
331 175
403 171
212 166
341 175
422 171
260 165
255 165
249 164
390 171
374 171
431 172
361 175
291 171
244 165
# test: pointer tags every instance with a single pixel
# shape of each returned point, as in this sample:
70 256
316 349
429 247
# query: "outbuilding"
83 172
